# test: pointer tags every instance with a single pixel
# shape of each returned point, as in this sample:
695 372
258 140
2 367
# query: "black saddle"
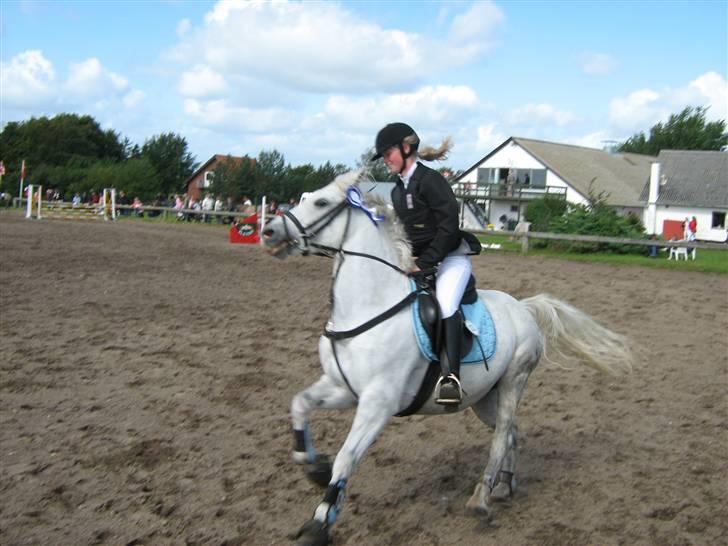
429 311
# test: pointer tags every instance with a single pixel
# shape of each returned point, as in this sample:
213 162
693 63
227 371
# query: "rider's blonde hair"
428 153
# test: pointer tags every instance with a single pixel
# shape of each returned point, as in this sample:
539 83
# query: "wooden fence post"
526 227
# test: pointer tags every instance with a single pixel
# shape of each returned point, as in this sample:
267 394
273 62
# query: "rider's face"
393 158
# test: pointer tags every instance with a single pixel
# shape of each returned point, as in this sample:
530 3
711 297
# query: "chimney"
654 193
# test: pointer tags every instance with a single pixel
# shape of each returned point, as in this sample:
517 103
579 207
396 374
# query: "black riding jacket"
429 211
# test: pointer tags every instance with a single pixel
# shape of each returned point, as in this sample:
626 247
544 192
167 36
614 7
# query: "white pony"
370 357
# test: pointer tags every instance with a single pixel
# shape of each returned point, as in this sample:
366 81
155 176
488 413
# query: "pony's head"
296 230
319 223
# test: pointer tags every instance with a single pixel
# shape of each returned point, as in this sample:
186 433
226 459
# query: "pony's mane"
392 225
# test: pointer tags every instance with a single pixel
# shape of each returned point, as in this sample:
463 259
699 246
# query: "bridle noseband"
309 232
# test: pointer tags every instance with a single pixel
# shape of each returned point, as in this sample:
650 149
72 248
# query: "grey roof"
692 178
620 176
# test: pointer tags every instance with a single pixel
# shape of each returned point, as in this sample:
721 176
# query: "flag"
2 168
22 171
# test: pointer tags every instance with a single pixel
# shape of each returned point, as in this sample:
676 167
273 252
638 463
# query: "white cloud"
597 139
224 116
541 114
28 80
133 99
642 109
201 82
322 47
183 27
710 89
597 64
477 27
30 85
429 106
488 139
88 80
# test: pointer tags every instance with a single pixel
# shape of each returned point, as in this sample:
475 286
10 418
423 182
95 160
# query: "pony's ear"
348 179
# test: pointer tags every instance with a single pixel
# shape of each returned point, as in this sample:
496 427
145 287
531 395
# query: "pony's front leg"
324 394
372 415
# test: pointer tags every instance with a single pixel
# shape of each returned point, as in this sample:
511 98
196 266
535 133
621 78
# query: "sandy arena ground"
147 371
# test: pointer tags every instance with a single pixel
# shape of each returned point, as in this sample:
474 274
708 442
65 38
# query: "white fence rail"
526 236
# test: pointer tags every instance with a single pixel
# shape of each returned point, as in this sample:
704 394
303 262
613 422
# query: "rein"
307 234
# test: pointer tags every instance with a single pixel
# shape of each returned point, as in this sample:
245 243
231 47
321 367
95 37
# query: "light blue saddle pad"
476 315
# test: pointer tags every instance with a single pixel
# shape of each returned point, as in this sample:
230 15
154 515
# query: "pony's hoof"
313 533
503 490
319 471
501 493
477 505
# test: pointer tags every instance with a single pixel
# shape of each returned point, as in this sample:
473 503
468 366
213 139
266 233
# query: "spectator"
76 202
137 206
230 208
123 199
693 229
207 205
194 204
179 204
219 207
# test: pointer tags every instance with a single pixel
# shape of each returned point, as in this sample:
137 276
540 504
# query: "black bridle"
305 242
309 232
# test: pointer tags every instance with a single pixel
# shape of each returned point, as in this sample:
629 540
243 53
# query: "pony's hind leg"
324 394
499 409
505 484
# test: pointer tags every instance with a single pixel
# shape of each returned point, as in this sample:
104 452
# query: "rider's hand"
415 269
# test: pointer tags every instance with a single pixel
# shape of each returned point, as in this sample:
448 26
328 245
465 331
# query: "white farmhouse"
684 184
521 169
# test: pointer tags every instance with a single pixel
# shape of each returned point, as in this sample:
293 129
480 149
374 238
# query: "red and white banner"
22 171
2 168
245 232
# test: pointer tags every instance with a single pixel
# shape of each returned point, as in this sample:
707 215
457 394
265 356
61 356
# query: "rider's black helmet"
393 135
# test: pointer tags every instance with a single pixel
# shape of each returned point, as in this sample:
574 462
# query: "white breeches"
452 278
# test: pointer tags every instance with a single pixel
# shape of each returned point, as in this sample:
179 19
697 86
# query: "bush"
542 212
597 219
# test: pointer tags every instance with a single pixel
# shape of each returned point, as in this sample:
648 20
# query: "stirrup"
449 398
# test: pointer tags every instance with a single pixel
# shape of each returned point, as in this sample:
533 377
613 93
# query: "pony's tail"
571 335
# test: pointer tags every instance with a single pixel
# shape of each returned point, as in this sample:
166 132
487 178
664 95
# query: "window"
538 178
527 178
718 220
487 176
514 208
207 181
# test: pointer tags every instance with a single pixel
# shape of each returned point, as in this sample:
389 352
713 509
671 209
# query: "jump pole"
31 198
262 219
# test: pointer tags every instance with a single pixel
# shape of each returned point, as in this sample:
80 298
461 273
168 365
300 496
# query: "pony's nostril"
268 232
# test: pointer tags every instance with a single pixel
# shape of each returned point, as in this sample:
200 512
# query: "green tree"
687 130
168 155
272 172
378 171
63 140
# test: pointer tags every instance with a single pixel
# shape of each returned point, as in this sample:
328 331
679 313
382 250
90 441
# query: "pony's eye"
321 202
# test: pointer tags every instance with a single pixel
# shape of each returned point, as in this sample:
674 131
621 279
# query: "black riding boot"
449 392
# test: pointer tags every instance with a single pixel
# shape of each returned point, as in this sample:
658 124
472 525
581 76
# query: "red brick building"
201 179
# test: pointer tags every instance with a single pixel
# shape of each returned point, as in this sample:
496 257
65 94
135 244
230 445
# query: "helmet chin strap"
404 157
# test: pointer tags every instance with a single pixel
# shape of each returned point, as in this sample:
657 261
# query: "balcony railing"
506 192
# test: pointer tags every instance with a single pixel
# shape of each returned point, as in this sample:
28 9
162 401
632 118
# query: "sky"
317 80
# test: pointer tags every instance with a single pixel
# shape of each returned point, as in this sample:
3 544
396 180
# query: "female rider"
426 204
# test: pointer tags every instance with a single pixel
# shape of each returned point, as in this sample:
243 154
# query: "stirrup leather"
452 378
